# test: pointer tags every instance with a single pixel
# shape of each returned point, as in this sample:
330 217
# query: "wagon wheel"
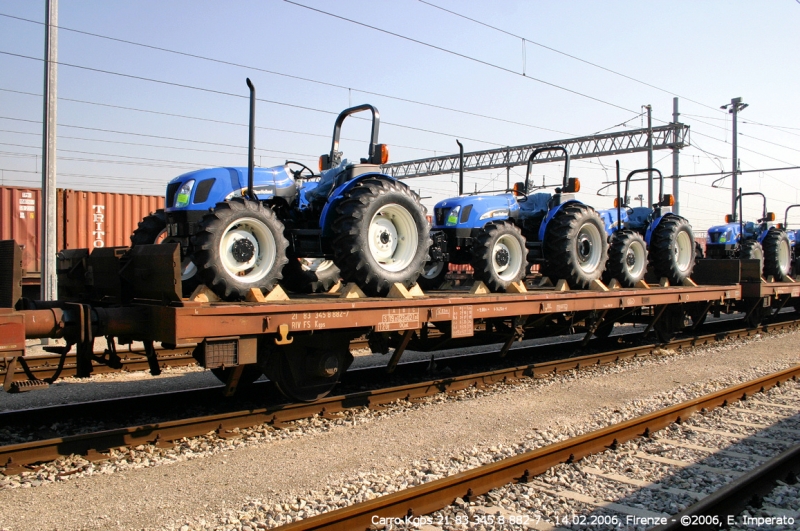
305 374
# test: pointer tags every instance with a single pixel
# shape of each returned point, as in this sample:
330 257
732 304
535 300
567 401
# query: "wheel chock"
351 291
642 284
202 294
770 279
479 288
545 282
614 284
663 282
255 295
689 282
517 287
562 285
416 291
596 285
277 294
336 287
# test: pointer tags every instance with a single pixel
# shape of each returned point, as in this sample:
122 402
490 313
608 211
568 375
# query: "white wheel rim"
432 269
588 247
160 237
188 269
392 237
683 250
783 256
315 264
635 258
507 257
264 250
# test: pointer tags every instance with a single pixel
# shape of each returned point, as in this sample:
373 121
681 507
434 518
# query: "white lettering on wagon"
98 222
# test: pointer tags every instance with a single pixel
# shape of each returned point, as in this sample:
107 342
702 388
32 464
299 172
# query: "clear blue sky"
705 51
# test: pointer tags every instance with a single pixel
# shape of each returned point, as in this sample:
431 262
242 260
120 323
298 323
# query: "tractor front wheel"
777 255
575 246
672 250
499 255
627 258
432 275
381 236
310 275
752 250
240 246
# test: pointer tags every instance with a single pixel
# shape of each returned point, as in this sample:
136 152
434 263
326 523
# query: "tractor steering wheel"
298 174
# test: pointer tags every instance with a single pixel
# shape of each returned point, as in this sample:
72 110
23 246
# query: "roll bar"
642 170
786 215
542 150
335 156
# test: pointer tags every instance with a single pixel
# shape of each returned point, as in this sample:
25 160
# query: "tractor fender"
328 214
551 214
654 225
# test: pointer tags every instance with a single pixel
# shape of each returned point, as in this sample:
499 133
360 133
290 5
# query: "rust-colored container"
20 221
90 220
84 220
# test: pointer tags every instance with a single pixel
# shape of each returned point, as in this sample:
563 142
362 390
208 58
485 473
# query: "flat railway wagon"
302 343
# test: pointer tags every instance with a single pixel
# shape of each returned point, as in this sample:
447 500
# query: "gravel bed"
269 510
779 511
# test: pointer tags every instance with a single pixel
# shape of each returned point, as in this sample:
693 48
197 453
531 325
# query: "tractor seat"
535 203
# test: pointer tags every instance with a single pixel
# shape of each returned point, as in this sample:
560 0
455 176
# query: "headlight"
184 193
452 217
502 212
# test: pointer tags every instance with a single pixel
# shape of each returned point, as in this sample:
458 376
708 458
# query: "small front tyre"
381 236
627 258
240 246
432 275
499 255
310 275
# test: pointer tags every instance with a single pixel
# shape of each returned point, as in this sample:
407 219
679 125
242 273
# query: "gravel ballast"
269 476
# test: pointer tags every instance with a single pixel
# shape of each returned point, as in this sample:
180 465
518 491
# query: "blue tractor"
651 235
792 235
243 228
501 235
760 240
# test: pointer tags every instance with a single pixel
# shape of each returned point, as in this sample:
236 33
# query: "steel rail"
430 497
734 497
92 445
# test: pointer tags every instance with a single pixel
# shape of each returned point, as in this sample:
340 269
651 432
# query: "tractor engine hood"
474 211
723 234
203 189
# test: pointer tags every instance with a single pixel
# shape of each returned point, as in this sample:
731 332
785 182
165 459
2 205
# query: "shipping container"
83 220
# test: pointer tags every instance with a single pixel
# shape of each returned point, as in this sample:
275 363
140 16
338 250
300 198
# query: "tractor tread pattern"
483 259
662 250
771 245
616 267
560 254
149 228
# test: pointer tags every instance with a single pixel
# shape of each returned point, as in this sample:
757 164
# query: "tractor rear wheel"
627 258
152 230
240 246
575 246
752 250
310 275
432 275
672 250
499 255
777 255
381 236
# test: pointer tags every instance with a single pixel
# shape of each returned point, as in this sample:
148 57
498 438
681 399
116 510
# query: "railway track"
20 457
602 459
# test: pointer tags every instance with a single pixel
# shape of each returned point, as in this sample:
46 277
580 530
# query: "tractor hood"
203 189
723 234
474 211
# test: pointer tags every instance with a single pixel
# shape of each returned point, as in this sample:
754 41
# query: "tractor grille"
713 237
440 214
171 189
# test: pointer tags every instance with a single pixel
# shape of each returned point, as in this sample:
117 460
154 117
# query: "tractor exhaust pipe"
460 167
251 146
619 199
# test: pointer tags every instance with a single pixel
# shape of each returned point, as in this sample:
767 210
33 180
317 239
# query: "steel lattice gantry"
674 135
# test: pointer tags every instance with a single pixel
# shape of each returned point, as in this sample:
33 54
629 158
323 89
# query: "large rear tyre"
240 246
627 258
752 250
777 255
153 230
381 236
499 255
575 246
310 275
672 250
432 275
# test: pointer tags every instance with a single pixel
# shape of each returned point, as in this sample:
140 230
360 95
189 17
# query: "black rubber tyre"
627 258
752 250
672 250
240 245
698 251
499 255
152 229
300 276
381 236
432 275
575 246
777 255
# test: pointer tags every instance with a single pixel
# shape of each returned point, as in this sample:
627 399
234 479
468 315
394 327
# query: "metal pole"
736 105
48 242
649 154
676 186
